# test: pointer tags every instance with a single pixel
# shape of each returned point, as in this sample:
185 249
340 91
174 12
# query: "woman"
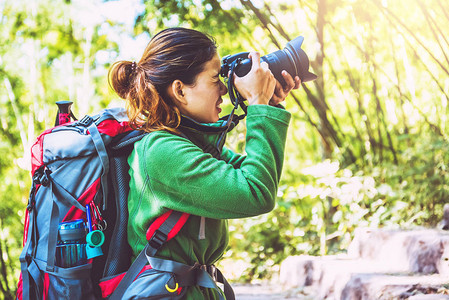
174 92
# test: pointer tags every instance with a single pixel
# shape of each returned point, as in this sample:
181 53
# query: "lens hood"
296 54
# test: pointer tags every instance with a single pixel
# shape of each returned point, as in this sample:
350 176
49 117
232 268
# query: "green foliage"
420 181
319 214
368 140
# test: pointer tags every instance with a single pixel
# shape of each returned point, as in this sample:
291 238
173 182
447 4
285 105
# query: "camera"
292 59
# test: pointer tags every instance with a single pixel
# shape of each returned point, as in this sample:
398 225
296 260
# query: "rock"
429 297
328 275
443 263
390 286
297 271
417 251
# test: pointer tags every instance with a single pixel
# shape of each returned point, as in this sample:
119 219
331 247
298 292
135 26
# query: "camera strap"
237 100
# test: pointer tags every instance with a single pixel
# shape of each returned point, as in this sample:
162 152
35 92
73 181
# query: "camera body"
292 59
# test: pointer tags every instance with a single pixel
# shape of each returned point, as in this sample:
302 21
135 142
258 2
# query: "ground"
266 292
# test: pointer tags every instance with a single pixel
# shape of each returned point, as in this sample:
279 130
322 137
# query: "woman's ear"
176 91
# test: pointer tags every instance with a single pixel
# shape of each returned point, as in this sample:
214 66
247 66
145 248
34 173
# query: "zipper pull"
202 233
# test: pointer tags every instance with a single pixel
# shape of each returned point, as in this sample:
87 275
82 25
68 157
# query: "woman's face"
202 100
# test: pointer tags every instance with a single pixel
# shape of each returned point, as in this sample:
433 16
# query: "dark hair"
174 53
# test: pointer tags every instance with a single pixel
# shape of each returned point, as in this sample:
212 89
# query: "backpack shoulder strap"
163 229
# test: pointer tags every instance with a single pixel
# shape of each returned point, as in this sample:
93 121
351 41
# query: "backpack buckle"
85 121
158 239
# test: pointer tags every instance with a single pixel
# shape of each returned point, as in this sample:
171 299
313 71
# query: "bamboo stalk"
398 85
412 48
380 110
277 25
262 18
311 122
367 56
443 9
412 34
433 27
351 117
348 109
318 102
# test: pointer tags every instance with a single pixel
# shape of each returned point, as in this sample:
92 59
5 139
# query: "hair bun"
120 77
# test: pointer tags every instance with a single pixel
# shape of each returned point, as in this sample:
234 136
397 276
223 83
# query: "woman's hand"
258 85
280 92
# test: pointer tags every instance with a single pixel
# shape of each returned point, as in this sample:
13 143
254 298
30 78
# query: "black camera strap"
237 100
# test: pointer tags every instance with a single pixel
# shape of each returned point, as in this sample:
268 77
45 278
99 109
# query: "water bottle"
71 246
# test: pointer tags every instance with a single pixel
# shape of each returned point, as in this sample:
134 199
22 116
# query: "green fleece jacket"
171 172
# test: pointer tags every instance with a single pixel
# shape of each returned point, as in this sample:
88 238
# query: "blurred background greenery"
367 143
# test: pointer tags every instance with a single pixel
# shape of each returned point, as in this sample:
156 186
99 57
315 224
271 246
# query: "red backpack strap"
164 228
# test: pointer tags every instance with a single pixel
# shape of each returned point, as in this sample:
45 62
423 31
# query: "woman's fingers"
255 59
281 92
258 85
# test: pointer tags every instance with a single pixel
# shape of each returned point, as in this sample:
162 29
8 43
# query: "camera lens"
292 59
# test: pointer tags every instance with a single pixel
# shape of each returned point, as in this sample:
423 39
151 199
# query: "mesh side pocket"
58 287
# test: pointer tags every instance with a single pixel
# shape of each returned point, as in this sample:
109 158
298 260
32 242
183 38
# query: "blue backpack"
75 240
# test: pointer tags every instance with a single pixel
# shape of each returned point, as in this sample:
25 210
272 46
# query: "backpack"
75 234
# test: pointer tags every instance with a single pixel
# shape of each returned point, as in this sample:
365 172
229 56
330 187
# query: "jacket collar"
207 135
190 123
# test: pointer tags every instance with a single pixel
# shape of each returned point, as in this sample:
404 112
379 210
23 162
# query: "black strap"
228 291
77 272
186 275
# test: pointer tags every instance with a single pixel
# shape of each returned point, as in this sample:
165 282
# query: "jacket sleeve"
184 178
232 158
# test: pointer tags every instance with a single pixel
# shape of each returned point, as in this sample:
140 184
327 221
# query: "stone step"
379 264
418 251
333 277
394 286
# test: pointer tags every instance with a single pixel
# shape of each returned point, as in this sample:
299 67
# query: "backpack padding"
120 253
